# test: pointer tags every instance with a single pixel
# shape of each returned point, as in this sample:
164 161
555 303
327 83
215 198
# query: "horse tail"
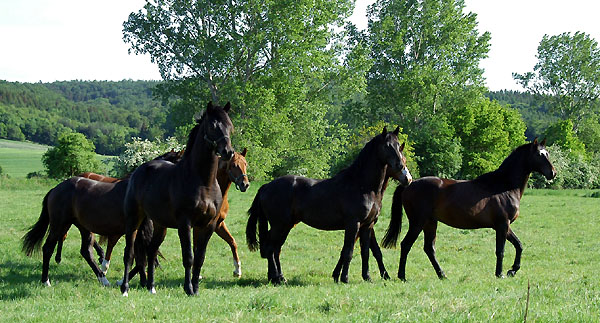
142 239
257 215
391 235
33 238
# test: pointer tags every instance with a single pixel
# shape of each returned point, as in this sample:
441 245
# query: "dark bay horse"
349 201
92 207
104 258
489 201
181 196
231 171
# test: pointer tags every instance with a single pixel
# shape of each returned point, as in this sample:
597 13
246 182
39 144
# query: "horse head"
216 129
391 151
539 159
237 171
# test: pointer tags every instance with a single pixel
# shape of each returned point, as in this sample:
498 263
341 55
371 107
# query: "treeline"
108 113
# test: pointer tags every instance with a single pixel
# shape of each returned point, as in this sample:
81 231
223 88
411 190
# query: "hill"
108 113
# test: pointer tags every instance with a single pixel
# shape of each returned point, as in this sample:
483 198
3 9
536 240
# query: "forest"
308 89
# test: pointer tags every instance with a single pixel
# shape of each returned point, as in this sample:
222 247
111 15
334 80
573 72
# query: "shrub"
72 155
139 151
573 170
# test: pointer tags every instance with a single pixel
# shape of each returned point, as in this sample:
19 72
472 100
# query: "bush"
573 170
140 151
72 155
36 175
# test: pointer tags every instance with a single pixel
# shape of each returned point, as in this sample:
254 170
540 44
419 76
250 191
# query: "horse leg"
501 234
512 237
429 232
277 237
58 256
87 239
158 236
100 252
224 233
47 250
346 253
410 238
110 245
185 241
374 246
201 238
132 224
365 241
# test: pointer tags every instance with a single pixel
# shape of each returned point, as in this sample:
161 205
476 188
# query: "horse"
181 196
91 206
489 201
232 171
350 201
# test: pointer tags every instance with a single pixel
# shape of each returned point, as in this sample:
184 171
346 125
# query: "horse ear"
227 107
209 105
402 147
243 153
543 143
198 116
384 132
397 130
535 141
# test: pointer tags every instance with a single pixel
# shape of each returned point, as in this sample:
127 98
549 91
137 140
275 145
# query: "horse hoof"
385 276
367 278
237 274
46 283
103 281
511 273
153 291
344 280
125 294
500 276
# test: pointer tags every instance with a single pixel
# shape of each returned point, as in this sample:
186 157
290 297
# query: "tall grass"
560 262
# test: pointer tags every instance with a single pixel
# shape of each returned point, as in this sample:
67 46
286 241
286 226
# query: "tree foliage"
568 73
72 155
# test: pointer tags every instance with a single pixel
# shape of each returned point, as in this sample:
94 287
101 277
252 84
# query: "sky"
50 40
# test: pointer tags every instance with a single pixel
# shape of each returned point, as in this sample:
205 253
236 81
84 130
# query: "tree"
72 155
568 73
276 61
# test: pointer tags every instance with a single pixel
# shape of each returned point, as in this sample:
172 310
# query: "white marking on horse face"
544 152
153 291
47 283
104 281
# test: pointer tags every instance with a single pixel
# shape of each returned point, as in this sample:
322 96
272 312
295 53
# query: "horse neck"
371 174
512 176
201 162
223 179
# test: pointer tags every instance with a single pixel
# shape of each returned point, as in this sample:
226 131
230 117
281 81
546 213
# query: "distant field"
18 158
21 158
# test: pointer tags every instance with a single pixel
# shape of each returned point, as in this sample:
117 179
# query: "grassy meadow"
560 265
559 273
19 158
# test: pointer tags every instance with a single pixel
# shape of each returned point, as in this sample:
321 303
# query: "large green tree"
276 61
72 155
568 74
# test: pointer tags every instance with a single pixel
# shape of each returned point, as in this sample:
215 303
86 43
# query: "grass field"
559 231
20 158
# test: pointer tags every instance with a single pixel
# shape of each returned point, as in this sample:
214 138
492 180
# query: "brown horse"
232 171
349 201
489 201
181 196
91 206
104 259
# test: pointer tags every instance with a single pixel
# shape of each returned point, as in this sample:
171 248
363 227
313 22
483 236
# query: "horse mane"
192 138
363 155
508 165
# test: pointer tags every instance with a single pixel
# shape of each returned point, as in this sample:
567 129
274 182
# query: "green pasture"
559 275
19 158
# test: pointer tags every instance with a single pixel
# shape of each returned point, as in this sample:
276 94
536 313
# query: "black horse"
349 201
181 196
489 201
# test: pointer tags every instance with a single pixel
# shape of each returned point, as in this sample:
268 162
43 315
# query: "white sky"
48 40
